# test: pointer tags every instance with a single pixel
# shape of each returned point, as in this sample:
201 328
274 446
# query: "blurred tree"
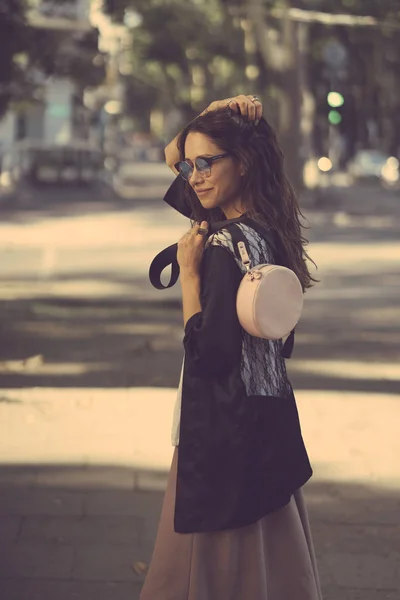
191 52
188 52
368 81
30 54
12 27
384 9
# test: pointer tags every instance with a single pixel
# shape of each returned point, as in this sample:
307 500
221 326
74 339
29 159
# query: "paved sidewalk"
83 472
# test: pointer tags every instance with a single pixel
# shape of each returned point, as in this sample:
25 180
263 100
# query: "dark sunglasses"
202 163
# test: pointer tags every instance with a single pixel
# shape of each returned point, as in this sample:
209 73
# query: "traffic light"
335 102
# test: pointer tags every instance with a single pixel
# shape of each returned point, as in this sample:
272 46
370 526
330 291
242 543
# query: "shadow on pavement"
347 338
89 344
81 532
59 203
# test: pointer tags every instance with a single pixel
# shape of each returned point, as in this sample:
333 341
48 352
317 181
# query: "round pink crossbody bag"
269 300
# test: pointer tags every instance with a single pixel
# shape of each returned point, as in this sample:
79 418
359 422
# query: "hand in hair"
249 107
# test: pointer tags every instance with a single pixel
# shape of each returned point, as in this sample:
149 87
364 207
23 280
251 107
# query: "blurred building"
55 116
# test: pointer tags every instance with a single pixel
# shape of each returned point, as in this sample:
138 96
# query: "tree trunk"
283 59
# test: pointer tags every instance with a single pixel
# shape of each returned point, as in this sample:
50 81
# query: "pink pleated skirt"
272 559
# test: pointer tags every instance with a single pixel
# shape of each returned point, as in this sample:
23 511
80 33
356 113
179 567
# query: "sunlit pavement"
103 250
131 428
80 514
84 468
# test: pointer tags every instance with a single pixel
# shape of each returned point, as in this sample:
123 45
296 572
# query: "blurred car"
141 180
33 169
375 166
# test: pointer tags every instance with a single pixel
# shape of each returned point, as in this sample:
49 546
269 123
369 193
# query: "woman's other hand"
190 251
249 107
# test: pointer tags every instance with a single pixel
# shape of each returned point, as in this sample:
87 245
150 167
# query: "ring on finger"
255 99
201 231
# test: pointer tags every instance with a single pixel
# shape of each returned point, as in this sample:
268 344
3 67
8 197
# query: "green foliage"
12 28
27 51
177 42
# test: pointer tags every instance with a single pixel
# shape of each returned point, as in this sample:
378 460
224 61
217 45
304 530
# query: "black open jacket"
241 452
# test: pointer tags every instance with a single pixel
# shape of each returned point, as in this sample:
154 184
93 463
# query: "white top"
176 419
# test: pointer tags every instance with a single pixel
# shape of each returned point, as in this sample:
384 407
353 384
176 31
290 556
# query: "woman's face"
221 187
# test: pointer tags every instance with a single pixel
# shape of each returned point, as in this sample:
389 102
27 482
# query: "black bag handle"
167 257
162 261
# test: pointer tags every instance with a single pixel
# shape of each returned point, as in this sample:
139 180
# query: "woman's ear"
242 169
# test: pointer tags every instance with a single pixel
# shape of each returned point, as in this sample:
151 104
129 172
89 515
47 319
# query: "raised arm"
243 105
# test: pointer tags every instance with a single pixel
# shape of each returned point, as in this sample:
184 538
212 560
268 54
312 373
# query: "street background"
90 353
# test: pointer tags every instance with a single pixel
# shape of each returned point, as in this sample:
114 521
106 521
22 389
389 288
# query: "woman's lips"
200 192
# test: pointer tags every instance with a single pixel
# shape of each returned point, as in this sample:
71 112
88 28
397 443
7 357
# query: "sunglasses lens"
202 166
185 169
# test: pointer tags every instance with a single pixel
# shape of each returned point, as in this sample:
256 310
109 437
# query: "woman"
234 525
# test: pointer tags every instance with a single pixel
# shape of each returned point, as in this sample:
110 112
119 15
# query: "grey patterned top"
263 369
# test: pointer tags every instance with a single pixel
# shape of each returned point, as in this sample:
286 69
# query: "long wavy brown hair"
266 191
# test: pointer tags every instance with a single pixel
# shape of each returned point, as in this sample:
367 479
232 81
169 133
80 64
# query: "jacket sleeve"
213 337
175 197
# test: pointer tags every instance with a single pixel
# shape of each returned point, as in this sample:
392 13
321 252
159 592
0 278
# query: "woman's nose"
195 177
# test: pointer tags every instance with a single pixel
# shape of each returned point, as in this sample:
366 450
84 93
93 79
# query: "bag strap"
167 257
163 260
238 238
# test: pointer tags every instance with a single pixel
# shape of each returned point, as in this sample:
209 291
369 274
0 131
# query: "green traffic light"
334 117
335 99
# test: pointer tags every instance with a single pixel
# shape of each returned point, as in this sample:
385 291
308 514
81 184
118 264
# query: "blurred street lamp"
334 117
335 102
113 107
324 164
132 19
335 99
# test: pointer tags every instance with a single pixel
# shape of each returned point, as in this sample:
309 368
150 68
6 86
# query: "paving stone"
33 589
31 501
382 540
352 594
335 502
141 504
146 550
17 476
360 571
105 562
149 503
77 530
147 481
83 478
147 529
9 528
37 560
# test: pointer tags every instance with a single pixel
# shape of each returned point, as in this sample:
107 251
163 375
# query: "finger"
257 103
233 105
243 107
186 235
259 110
203 226
251 110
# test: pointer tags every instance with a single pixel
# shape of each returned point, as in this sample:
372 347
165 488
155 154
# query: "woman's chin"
207 203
